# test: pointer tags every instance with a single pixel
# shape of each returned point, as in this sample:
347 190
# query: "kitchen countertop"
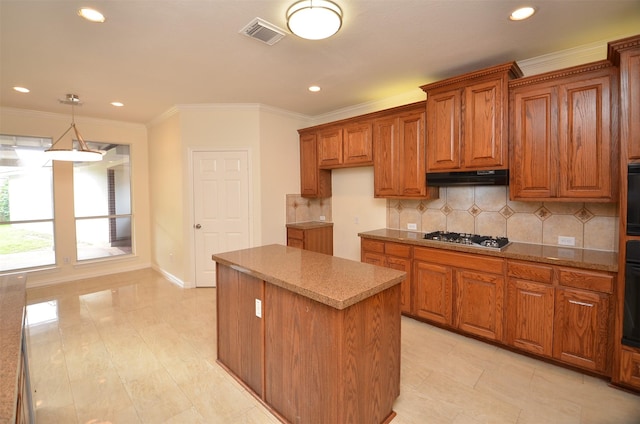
12 310
555 255
309 224
334 281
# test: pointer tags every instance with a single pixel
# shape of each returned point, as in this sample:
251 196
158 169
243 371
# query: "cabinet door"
585 145
433 292
403 264
534 135
357 144
581 327
412 155
330 147
444 130
630 368
313 181
630 101
529 316
479 299
386 179
485 145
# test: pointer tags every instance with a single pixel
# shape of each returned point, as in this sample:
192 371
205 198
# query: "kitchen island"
314 337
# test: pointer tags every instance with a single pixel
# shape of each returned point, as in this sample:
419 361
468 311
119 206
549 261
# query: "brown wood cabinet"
459 289
314 182
399 163
564 135
625 54
345 146
467 120
311 236
391 255
560 312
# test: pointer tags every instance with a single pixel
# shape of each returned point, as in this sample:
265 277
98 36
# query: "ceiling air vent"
263 31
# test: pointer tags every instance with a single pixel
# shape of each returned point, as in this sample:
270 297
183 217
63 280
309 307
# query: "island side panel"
240 332
371 353
301 357
325 365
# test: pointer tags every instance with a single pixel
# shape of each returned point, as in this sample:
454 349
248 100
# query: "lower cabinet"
630 367
561 313
556 312
391 255
317 238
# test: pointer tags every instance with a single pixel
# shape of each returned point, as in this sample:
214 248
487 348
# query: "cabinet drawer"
585 280
295 233
373 245
395 249
459 260
530 272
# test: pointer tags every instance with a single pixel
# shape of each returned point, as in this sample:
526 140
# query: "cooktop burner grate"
475 240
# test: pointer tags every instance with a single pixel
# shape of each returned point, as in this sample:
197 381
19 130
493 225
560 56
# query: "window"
26 203
102 202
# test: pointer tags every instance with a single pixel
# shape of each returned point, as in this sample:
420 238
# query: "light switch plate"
258 308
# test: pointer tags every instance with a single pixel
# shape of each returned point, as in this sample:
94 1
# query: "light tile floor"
135 348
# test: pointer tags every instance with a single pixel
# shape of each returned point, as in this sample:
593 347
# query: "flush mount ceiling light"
314 19
91 15
522 13
21 89
84 154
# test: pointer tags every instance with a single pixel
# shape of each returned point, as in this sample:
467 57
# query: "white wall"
41 124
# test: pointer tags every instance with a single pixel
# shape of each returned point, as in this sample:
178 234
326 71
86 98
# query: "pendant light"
84 154
314 19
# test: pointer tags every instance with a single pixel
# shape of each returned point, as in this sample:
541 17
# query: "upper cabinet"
563 135
467 120
314 182
345 146
399 163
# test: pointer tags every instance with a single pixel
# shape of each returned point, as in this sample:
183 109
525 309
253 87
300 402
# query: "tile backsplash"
302 209
487 210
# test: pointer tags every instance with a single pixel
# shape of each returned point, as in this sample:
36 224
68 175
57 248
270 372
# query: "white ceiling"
155 54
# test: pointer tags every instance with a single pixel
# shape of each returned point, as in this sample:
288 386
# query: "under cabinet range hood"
465 178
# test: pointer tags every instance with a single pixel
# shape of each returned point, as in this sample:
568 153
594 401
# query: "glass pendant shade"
314 19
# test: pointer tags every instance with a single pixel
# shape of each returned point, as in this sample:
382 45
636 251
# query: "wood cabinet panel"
484 125
581 328
564 135
630 367
357 148
583 279
386 169
314 182
402 264
444 130
479 298
240 331
330 147
391 255
433 292
529 316
462 260
317 239
530 271
534 125
585 138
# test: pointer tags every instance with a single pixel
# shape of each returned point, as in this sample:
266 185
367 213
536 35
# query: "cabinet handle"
575 302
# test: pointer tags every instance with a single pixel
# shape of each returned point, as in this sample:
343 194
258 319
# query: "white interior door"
221 208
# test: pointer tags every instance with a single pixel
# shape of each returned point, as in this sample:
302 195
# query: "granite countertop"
309 224
12 310
334 281
555 255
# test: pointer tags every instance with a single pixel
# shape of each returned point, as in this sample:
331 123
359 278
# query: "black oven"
631 322
633 200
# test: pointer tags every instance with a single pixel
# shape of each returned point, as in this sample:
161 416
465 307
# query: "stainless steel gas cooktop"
473 240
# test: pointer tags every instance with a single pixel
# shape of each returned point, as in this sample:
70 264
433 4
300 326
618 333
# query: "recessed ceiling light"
91 15
522 13
314 88
21 89
117 104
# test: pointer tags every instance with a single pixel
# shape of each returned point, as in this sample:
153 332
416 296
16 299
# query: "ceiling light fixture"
84 154
522 13
91 15
117 104
314 19
21 89
314 88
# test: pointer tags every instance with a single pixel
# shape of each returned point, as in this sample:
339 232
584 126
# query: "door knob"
197 226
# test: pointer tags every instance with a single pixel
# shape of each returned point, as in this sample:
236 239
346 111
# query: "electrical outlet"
258 308
322 218
412 226
356 220
566 241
